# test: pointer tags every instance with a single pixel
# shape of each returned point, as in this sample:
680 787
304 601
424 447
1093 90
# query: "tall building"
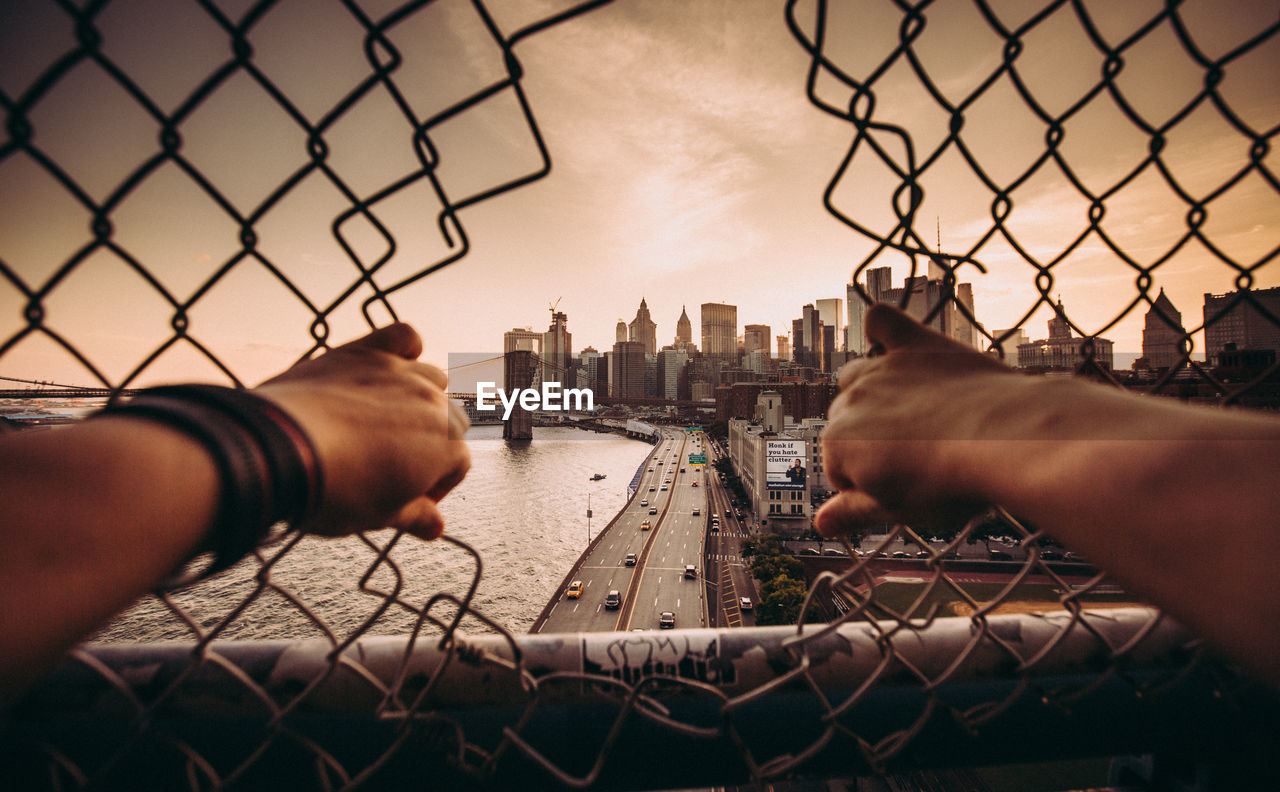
644 330
671 364
593 372
1162 335
628 369
784 348
684 330
720 332
1061 350
557 351
924 293
831 312
620 332
855 333
757 338
807 338
522 339
1231 319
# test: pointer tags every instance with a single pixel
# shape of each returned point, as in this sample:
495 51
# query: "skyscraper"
831 312
720 332
644 329
557 351
757 337
628 366
1162 334
855 333
684 330
923 294
620 332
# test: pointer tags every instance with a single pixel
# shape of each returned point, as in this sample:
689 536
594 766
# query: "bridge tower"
520 367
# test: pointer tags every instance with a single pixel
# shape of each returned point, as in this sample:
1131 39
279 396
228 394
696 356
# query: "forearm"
1144 487
95 515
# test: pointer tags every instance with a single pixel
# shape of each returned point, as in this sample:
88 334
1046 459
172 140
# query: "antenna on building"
939 221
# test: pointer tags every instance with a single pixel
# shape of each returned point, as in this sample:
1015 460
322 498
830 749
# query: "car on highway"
631 559
653 509
833 551
690 572
999 555
575 590
644 502
650 470
612 600
664 487
646 525
695 482
696 511
745 603
666 620
715 527
652 488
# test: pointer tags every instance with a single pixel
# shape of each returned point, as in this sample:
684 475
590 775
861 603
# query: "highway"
656 583
727 576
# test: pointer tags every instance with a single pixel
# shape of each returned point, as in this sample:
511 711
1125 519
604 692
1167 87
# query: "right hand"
390 443
897 422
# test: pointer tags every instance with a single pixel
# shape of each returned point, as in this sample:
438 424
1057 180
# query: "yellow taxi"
575 590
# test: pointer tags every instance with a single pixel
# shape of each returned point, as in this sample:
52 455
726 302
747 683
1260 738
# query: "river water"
522 508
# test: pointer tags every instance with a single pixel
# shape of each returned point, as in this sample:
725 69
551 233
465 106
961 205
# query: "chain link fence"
897 664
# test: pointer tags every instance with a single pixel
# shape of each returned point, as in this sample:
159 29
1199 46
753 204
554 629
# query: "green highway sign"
697 459
693 429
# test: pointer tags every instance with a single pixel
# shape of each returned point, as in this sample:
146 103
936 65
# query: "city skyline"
688 166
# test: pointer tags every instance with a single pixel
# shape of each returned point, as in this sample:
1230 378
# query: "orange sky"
689 167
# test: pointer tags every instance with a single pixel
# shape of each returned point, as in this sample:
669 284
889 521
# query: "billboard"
784 465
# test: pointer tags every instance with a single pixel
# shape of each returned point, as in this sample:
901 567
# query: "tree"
780 601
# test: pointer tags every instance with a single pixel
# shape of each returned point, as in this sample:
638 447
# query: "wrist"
268 470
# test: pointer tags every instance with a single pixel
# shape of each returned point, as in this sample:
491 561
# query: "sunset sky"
688 166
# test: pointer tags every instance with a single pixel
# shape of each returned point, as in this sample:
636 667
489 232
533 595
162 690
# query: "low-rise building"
779 464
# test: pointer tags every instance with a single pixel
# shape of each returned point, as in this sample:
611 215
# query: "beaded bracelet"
268 466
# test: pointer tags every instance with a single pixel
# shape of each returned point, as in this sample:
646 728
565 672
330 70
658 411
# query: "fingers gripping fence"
869 682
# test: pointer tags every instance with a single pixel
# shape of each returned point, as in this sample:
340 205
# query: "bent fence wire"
424 688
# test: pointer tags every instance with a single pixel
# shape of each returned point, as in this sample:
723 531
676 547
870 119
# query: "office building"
671 366
557 351
720 332
644 329
923 293
1162 336
684 332
855 332
1232 319
831 313
757 338
627 370
522 339
774 458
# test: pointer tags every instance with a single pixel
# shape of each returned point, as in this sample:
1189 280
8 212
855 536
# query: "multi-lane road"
659 580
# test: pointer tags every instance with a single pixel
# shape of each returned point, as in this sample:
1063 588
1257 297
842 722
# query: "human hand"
389 441
894 446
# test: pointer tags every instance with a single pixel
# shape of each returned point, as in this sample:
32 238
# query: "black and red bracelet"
269 469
